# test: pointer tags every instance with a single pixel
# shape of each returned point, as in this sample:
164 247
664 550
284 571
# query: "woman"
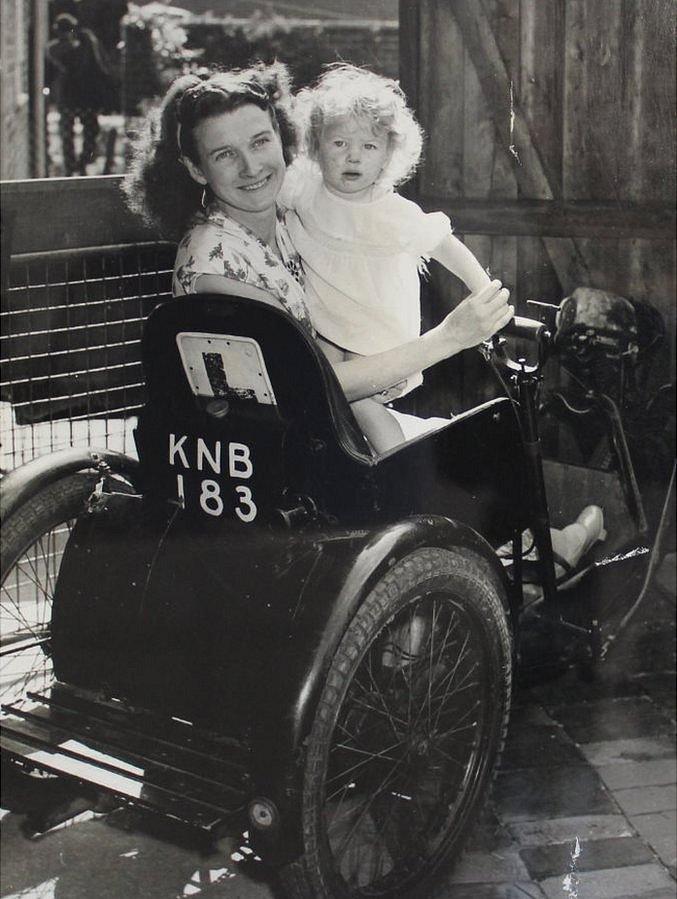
223 143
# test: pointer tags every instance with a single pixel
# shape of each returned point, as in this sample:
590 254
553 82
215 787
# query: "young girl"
363 245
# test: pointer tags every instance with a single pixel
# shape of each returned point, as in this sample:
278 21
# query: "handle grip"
525 329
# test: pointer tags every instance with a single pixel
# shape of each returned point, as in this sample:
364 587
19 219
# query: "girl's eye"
339 143
260 141
370 147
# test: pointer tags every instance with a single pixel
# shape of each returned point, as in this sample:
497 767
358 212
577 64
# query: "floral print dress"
218 245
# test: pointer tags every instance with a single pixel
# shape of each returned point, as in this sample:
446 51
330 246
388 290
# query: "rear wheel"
31 548
407 732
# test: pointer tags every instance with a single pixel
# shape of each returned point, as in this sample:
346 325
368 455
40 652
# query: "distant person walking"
79 86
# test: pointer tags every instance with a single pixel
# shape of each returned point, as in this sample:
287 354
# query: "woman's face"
240 158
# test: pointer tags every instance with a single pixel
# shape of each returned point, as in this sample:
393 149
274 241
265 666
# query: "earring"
204 201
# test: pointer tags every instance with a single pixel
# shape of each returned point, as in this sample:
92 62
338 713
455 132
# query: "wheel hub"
420 744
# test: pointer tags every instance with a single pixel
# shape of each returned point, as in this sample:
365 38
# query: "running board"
163 765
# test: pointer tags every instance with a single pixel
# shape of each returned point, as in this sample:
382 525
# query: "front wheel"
407 732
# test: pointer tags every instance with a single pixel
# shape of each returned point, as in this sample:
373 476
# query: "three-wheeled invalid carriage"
262 626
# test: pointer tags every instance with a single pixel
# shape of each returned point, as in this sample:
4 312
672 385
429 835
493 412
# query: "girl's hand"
477 317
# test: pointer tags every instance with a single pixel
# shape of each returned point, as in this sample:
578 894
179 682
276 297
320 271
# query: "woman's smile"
257 185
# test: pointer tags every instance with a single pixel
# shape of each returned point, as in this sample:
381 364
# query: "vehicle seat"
304 387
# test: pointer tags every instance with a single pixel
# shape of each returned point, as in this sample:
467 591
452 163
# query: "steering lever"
523 329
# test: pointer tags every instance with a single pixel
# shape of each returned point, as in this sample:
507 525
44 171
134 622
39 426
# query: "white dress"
361 261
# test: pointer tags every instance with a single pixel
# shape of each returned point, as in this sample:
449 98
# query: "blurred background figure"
79 87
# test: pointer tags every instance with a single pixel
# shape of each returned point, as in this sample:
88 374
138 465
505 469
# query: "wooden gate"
550 143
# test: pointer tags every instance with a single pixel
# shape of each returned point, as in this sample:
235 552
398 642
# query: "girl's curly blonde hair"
347 90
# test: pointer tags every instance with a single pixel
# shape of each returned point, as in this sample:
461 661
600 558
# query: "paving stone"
489 867
564 792
638 882
624 775
613 719
641 800
519 890
660 832
540 746
559 830
617 852
637 750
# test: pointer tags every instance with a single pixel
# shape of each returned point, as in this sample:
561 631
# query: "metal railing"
70 341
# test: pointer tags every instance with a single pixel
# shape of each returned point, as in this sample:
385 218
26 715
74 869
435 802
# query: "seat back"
238 390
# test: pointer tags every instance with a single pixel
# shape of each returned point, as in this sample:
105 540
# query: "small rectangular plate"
225 365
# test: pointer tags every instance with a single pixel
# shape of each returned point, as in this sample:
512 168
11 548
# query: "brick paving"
583 807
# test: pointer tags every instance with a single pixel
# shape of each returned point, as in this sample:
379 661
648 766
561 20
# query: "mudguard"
23 483
344 572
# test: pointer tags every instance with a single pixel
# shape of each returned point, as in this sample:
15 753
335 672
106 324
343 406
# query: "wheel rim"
26 595
406 754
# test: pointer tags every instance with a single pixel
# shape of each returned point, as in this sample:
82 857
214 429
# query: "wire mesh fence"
71 330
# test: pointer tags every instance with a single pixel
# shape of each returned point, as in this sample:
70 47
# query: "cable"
508 393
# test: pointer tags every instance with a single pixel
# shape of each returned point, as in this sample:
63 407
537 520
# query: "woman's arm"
475 319
459 260
233 288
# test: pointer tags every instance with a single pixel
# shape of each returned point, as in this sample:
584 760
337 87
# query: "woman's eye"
225 154
260 141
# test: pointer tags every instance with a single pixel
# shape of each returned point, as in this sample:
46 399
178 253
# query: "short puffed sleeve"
417 232
203 251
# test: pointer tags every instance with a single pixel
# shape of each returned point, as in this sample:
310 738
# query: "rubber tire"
55 504
463 575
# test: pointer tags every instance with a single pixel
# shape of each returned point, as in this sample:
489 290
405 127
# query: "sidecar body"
201 604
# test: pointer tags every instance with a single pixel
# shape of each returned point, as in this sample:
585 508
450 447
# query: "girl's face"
352 156
240 158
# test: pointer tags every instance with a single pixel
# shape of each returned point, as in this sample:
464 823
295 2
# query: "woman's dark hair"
158 186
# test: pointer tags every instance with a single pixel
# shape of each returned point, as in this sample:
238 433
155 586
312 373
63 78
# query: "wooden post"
38 125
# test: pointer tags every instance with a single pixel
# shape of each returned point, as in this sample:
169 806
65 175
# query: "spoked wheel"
31 548
407 732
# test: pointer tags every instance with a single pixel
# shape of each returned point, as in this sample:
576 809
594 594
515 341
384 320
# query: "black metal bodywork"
218 592
231 623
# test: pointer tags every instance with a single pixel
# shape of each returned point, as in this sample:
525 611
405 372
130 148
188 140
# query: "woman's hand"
476 318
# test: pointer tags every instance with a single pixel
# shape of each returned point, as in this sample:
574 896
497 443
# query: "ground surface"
584 805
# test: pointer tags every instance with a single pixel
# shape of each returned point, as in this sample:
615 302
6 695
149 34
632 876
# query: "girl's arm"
458 259
475 319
